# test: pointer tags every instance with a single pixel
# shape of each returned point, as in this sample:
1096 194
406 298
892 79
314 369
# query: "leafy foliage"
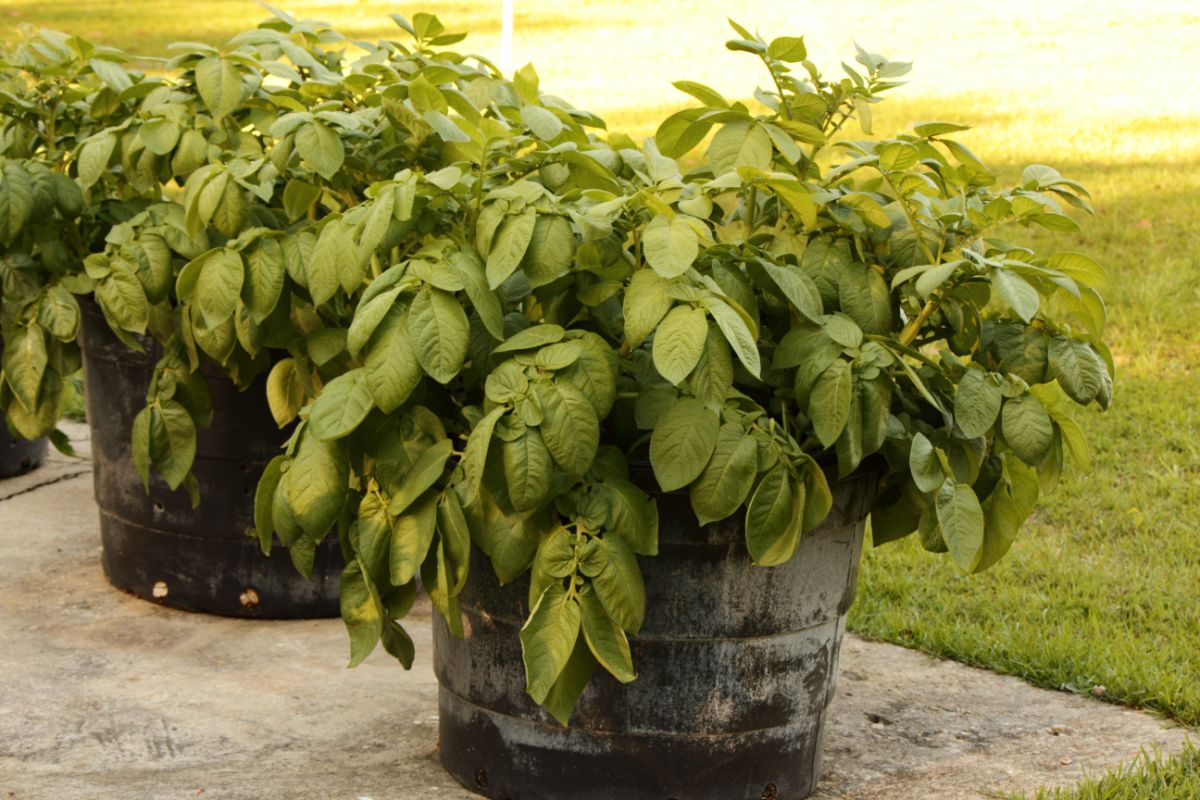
474 304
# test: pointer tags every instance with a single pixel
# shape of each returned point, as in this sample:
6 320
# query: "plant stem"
751 208
912 222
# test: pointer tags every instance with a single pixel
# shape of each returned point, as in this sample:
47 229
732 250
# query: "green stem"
912 222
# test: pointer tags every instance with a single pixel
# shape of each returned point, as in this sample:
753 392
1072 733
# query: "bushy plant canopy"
475 307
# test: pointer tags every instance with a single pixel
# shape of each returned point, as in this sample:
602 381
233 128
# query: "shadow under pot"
155 544
736 668
18 456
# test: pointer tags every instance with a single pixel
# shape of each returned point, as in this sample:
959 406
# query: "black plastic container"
18 456
736 667
155 544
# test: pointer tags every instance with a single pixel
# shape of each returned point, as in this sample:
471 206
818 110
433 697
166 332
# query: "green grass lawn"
1103 587
1150 777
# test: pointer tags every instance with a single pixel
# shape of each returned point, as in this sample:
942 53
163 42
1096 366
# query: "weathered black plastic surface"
156 542
18 456
736 667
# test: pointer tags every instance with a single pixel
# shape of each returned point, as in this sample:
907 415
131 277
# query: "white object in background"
506 35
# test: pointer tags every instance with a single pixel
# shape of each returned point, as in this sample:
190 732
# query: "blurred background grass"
1102 588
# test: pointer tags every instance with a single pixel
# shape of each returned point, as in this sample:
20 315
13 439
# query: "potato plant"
476 307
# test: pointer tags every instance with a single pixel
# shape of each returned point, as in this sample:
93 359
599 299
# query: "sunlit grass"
1150 777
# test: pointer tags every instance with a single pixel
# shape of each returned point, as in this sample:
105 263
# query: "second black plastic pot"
155 544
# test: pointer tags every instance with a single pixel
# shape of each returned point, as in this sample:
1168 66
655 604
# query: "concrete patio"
106 696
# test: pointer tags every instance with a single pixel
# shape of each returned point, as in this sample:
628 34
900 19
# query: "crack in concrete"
59 479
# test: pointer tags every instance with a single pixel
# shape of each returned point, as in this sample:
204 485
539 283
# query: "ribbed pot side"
736 667
18 456
155 544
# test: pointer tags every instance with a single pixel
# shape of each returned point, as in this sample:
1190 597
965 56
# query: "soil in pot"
155 544
736 667
18 456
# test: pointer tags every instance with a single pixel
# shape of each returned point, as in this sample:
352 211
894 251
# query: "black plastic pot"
18 456
155 544
736 667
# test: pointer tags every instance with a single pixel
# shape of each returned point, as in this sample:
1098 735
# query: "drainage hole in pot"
770 792
158 508
481 777
248 598
160 590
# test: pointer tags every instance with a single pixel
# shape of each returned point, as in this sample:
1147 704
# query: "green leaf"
1016 291
924 464
264 279
976 403
424 473
542 122
800 290
264 500
548 638
25 360
679 342
1079 369
681 131
124 301
563 696
341 406
829 404
737 333
298 197
773 517
824 260
398 643
321 148
391 363
929 129
632 514
712 379
484 301
864 297
172 441
961 519
605 638
1027 428
729 476
569 426
475 454
439 331
509 245
683 442
456 538
533 337
645 304
551 250
16 200
793 194
220 85
527 470
219 285
140 446
361 611
670 245
285 392
425 96
411 537
787 48
740 144
317 484
94 155
619 584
